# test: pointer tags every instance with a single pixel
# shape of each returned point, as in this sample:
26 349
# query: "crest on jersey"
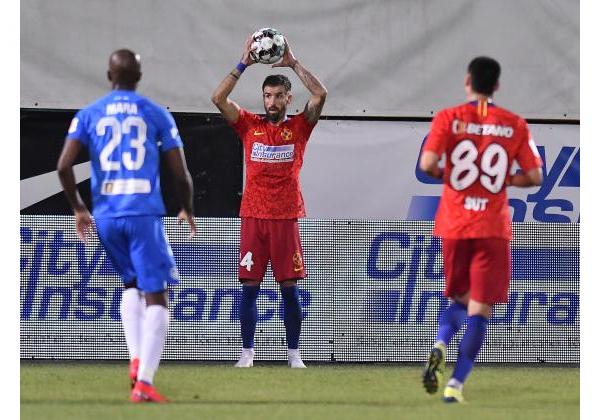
286 134
298 263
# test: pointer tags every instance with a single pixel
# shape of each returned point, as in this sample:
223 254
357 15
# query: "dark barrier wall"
358 152
212 149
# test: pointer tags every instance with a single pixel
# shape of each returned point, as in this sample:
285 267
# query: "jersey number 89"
118 129
493 165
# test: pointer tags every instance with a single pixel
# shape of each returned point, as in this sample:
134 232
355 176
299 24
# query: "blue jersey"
125 133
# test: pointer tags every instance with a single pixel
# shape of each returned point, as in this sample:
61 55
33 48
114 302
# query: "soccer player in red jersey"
272 201
480 141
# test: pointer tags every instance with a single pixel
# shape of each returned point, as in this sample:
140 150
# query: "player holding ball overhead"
272 201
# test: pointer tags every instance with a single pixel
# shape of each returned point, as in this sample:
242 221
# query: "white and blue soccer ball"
268 46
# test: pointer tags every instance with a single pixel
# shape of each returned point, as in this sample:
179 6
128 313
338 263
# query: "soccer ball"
268 46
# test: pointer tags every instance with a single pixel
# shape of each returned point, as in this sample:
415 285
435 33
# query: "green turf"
200 391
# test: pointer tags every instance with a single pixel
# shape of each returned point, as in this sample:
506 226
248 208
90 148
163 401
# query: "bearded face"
275 100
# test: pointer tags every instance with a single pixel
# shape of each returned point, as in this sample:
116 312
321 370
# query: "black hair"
485 72
125 67
278 80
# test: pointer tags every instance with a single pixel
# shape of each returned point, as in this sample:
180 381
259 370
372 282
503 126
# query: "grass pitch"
210 391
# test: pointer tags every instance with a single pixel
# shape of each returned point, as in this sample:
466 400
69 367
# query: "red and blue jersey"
273 158
480 142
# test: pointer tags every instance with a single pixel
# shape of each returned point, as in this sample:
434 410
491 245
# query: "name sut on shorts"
272 154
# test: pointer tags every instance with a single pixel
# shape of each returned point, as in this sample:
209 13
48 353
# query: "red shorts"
277 240
481 266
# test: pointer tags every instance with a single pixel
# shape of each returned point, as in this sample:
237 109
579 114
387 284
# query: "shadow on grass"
200 401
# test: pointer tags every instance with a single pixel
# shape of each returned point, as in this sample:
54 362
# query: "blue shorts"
138 249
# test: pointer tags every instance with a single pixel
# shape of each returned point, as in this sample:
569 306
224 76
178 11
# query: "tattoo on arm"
313 111
317 90
220 96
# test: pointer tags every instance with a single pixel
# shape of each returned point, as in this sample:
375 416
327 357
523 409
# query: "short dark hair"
485 72
278 80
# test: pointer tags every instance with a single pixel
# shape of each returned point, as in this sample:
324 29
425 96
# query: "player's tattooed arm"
318 93
220 97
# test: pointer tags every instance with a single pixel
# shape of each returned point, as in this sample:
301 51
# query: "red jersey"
480 141
273 157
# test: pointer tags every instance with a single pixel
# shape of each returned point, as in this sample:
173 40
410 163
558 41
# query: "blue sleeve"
77 129
167 131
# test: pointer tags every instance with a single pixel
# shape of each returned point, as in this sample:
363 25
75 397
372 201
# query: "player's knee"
249 282
158 298
288 283
131 284
480 308
464 298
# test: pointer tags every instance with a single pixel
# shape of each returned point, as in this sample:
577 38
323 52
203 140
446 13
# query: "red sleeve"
527 156
243 123
305 126
438 134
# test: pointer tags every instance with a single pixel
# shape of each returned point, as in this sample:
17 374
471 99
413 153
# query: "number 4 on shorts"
247 261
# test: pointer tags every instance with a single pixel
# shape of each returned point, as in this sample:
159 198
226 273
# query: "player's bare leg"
248 317
478 308
451 320
292 318
154 333
477 321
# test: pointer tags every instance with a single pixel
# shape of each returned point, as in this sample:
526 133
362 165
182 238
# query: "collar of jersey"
273 125
490 102
122 91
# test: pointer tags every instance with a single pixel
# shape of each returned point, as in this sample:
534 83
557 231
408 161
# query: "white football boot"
246 359
294 359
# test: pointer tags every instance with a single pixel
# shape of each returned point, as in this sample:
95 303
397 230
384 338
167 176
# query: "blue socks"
248 315
469 346
292 315
450 321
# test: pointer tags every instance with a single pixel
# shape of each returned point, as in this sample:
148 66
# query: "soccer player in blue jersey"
126 135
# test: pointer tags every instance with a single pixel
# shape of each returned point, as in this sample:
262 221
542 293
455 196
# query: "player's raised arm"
220 97
83 219
318 93
176 162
